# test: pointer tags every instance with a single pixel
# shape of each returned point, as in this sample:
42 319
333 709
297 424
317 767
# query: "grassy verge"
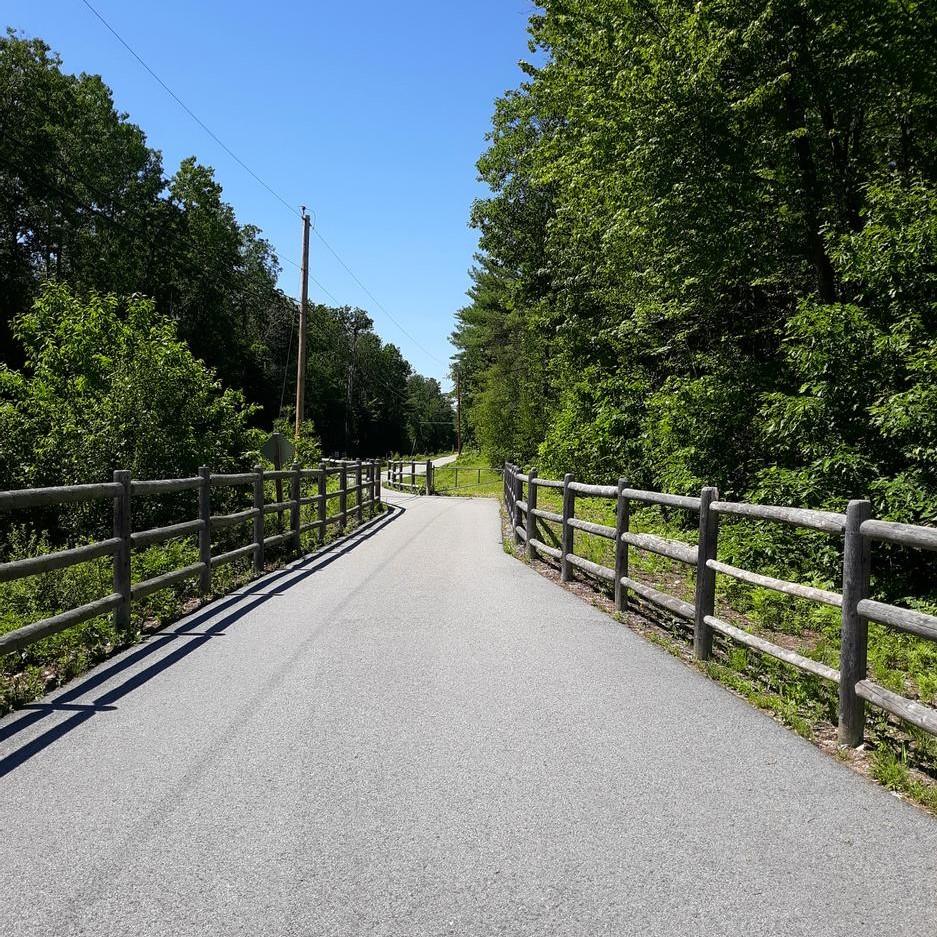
900 756
469 476
53 661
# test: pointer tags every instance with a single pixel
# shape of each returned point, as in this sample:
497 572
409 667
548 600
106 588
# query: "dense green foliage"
709 256
709 253
84 201
107 384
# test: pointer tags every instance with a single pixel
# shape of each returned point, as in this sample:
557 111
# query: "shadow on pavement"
255 594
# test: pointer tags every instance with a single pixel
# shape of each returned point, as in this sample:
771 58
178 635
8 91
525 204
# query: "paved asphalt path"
416 734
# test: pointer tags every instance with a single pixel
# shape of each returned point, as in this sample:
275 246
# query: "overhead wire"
272 191
190 112
374 299
292 209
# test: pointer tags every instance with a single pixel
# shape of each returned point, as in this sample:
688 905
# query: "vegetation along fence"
403 476
463 478
366 489
857 527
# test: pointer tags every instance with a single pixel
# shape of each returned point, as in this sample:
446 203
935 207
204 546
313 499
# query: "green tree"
108 384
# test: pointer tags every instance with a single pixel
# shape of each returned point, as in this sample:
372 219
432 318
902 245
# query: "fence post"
430 485
705 577
294 507
204 535
853 655
358 490
566 537
413 473
377 487
531 525
259 519
511 493
321 504
343 496
622 525
122 553
517 494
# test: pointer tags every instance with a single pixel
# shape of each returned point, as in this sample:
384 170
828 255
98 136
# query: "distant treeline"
710 252
89 223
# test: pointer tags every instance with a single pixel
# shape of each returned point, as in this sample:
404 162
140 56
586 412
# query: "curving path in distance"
415 734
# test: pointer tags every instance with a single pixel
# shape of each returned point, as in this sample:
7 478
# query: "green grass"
469 476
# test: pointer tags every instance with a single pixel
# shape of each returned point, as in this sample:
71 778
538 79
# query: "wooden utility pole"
458 411
303 302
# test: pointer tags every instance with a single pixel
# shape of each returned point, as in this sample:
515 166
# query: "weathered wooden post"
517 494
343 495
258 519
321 504
122 553
204 534
531 525
359 508
511 476
295 523
622 525
429 477
705 577
413 474
479 479
566 536
853 655
376 485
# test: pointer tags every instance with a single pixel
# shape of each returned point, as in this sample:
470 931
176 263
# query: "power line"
375 300
189 111
266 185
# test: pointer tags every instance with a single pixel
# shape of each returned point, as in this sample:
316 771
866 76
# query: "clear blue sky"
371 113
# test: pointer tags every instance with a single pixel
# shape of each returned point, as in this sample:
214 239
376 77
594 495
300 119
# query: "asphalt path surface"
416 734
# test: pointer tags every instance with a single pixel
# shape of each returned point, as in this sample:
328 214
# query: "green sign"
278 449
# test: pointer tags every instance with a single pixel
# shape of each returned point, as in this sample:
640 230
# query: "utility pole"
458 411
303 302
350 423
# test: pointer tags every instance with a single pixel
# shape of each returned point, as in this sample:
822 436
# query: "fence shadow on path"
241 602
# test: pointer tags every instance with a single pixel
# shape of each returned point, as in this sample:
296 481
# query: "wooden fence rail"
366 489
419 482
856 527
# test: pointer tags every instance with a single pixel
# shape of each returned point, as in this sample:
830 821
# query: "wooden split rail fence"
399 470
122 490
856 526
